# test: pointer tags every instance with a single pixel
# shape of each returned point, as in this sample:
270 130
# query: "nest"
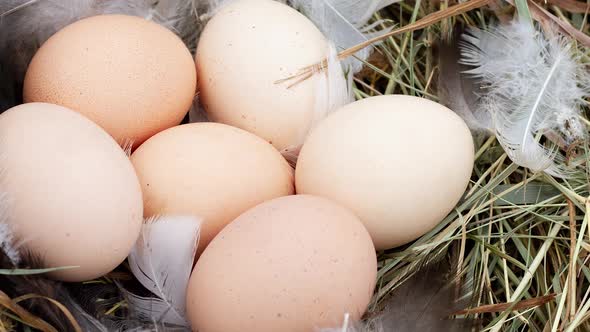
518 240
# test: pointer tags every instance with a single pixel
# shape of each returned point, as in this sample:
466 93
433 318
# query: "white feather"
534 84
332 92
7 240
344 22
162 261
332 88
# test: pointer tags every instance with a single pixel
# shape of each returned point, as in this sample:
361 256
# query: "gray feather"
424 302
460 93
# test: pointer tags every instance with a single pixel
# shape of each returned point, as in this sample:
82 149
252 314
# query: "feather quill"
345 23
162 261
534 85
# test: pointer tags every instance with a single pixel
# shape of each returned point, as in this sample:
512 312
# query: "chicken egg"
243 51
210 170
131 76
401 163
295 263
75 198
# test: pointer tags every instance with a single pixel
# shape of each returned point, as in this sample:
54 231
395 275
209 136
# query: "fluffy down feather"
163 266
534 85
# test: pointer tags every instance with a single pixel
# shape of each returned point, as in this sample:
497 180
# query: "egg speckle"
131 76
269 41
75 199
291 263
209 170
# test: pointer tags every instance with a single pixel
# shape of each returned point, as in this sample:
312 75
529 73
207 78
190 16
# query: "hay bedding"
512 255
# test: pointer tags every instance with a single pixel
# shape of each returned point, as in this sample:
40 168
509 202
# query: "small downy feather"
332 92
333 88
162 261
6 236
345 23
534 86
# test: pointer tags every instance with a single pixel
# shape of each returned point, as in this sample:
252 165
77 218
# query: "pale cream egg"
75 199
401 163
243 51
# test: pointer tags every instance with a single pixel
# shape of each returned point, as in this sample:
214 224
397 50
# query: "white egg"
400 162
243 51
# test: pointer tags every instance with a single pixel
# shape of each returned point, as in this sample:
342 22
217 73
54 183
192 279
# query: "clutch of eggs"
378 173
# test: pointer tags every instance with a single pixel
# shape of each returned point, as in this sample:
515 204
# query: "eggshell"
400 162
294 263
74 197
244 49
131 76
209 170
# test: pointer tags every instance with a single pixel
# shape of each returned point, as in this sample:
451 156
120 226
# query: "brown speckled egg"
131 76
209 170
244 49
74 197
401 163
294 263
